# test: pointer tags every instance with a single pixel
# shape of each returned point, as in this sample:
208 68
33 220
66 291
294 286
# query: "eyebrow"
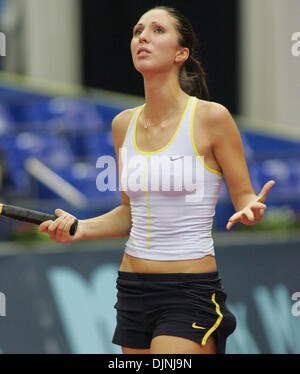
152 23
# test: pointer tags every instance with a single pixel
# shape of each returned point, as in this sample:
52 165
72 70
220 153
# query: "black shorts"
190 306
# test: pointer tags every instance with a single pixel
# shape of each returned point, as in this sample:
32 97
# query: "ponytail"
192 79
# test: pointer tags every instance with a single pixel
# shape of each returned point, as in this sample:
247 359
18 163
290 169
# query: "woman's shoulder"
120 124
123 118
211 110
214 118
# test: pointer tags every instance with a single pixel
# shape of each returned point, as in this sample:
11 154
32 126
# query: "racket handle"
31 216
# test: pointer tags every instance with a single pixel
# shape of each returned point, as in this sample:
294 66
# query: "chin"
145 67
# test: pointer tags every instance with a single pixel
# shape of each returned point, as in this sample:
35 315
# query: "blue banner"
63 302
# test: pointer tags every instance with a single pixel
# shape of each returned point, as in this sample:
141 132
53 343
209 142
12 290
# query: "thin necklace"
145 122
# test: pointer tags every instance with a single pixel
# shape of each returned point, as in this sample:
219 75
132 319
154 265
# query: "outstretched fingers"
265 190
236 217
249 215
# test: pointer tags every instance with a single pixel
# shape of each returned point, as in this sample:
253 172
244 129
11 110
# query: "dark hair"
192 77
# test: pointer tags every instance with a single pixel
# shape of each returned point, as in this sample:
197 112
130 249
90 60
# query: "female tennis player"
170 295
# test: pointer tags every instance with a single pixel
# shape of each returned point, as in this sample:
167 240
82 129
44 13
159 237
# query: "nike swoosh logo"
195 326
173 158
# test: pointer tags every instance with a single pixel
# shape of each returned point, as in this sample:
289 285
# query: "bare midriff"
139 265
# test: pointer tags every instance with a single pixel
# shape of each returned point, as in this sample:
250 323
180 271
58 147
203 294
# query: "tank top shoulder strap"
183 130
190 111
132 121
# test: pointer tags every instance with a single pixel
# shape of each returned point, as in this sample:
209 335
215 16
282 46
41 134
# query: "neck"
163 94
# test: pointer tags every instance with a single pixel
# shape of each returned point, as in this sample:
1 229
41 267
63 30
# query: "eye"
137 32
158 29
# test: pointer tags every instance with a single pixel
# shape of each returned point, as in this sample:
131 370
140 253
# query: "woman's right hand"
59 230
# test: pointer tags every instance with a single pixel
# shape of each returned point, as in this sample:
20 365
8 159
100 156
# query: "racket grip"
31 216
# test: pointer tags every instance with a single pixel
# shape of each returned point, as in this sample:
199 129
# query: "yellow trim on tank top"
170 141
131 118
149 153
194 145
147 199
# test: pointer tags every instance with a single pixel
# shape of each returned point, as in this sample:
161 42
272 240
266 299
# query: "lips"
143 50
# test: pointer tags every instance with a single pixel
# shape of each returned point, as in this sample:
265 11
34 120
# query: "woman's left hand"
253 211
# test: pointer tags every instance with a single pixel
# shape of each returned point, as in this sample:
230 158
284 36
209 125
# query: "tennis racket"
31 216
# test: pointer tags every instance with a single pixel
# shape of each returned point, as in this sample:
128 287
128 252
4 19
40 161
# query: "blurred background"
65 72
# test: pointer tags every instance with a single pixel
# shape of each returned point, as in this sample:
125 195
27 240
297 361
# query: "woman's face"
154 44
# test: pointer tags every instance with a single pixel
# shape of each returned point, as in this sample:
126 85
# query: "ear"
182 55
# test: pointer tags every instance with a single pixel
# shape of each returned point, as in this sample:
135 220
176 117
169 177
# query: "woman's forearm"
114 224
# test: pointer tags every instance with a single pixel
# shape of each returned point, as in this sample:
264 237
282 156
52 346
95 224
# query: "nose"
143 37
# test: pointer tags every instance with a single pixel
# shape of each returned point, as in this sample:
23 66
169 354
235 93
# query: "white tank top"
172 192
